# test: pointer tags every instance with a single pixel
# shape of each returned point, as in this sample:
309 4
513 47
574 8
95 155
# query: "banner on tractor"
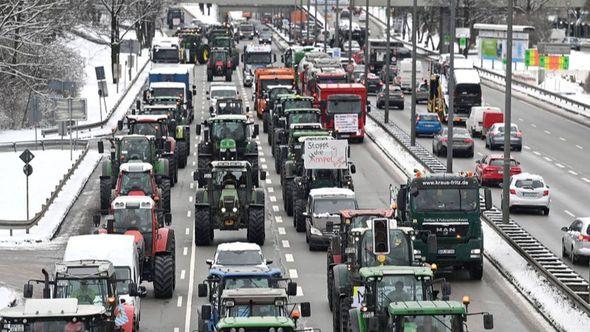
325 154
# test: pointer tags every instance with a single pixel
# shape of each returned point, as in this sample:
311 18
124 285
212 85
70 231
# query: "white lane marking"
262 160
275 208
533 125
286 244
189 297
569 213
293 274
526 147
268 181
563 139
188 213
261 153
586 180
537 153
278 219
196 144
480 154
548 159
282 230
195 153
263 166
176 329
182 274
289 258
573 172
547 132
273 198
579 147
520 119
185 251
270 189
190 199
194 163
559 165
179 303
259 148
187 231
299 291
191 185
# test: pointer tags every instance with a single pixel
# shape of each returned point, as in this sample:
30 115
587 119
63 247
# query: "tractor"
231 106
140 217
284 102
178 123
287 143
123 149
219 64
227 137
271 96
227 43
289 117
229 201
193 45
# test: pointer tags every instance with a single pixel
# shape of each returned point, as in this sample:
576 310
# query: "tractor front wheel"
256 225
166 197
202 227
265 124
298 209
209 75
182 153
203 54
288 197
164 276
228 76
105 195
173 171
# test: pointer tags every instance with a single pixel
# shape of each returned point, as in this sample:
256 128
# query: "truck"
174 17
165 50
405 74
467 93
171 81
344 109
255 56
283 77
446 206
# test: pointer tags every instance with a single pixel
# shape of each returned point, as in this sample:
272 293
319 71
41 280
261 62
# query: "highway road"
284 246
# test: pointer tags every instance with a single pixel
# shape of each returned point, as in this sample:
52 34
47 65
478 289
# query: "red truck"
344 109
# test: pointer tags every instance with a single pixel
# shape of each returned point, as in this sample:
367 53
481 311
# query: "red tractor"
139 217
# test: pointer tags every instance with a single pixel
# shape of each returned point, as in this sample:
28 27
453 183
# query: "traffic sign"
78 110
462 33
26 156
99 73
28 169
62 87
554 48
103 90
130 46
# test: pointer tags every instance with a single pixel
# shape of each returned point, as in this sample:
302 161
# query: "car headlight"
223 210
235 209
476 251
315 231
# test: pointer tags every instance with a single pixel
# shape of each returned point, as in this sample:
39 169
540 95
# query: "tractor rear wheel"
256 225
288 197
202 164
209 76
265 125
172 171
298 209
164 276
228 75
202 227
166 197
182 154
203 54
105 195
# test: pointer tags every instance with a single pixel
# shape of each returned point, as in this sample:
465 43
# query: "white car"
529 191
221 90
238 254
575 241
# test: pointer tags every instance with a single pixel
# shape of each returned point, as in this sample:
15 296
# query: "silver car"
495 137
462 142
575 240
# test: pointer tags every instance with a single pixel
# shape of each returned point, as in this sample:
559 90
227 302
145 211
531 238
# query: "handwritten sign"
346 123
325 154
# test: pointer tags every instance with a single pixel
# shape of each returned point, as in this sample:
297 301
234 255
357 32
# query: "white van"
122 252
474 122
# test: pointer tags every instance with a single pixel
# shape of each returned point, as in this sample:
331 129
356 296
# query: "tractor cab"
136 179
302 115
149 125
228 137
229 106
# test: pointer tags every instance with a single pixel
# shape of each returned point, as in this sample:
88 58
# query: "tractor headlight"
315 231
223 210
235 209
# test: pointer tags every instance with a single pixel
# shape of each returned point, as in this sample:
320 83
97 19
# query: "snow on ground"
50 222
195 11
49 167
527 280
7 296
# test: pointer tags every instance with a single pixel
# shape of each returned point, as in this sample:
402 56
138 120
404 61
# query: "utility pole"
451 89
301 19
387 59
325 27
414 55
315 32
507 118
308 17
337 27
350 5
367 39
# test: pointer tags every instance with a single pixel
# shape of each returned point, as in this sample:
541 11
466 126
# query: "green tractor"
227 43
126 148
193 46
290 117
287 143
283 103
228 137
178 122
229 201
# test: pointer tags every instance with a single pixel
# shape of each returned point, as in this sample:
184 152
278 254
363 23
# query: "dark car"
393 70
396 97
265 37
462 142
372 83
422 93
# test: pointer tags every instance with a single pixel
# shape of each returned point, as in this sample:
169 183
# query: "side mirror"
194 87
110 225
247 109
292 288
28 291
198 129
137 105
242 57
211 110
329 226
565 229
100 147
263 175
368 109
488 321
194 92
488 198
168 219
352 169
196 175
209 262
256 131
120 124
202 290
133 289
274 58
432 244
133 111
206 312
96 220
478 161
208 98
305 309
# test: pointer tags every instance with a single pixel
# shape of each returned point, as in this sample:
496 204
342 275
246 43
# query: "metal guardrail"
47 144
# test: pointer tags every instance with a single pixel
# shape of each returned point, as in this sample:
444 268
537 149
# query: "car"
529 191
265 36
422 93
396 97
462 142
219 91
575 240
393 70
489 170
427 124
373 83
238 254
495 137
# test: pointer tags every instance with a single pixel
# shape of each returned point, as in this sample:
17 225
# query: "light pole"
315 32
308 17
337 27
325 27
451 89
507 118
301 19
387 59
350 5
367 39
414 55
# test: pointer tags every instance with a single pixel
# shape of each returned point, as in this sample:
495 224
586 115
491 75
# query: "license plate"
368 314
446 251
500 172
529 194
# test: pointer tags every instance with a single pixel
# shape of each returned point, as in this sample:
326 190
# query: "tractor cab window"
324 178
229 129
148 129
247 282
222 42
308 117
239 257
219 56
87 291
274 93
136 181
229 107
230 178
132 219
57 323
135 149
167 92
255 310
399 249
398 288
297 103
223 93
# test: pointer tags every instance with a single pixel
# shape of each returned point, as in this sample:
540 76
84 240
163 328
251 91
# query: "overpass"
555 4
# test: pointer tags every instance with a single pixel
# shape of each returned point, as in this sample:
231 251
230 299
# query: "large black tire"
256 225
335 313
164 276
203 54
476 271
288 197
166 197
265 125
278 162
182 154
202 227
298 219
228 75
209 76
329 283
344 315
172 171
105 195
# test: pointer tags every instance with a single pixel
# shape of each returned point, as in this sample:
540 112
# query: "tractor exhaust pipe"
46 289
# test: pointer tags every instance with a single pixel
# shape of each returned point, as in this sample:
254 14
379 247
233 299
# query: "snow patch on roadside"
195 11
7 297
49 224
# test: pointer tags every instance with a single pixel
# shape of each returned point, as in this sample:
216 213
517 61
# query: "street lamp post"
325 39
337 27
367 39
414 55
507 118
387 59
308 17
451 114
350 4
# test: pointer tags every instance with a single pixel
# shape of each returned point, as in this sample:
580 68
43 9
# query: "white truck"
405 74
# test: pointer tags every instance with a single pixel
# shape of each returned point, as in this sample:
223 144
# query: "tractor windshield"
247 282
219 56
223 93
274 93
348 106
147 128
398 288
136 182
132 219
167 92
324 178
230 178
445 199
258 58
222 42
308 117
170 55
239 257
399 249
297 103
135 149
443 323
229 129
87 291
229 107
255 309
